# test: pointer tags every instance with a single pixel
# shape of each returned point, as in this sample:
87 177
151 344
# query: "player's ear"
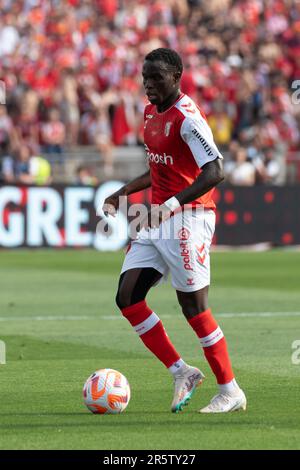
177 76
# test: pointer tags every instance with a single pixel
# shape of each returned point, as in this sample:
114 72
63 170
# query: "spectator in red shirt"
243 48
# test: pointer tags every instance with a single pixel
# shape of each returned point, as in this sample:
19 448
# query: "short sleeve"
197 134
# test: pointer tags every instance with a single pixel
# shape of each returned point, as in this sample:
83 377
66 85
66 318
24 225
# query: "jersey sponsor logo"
183 234
167 129
206 146
157 158
186 255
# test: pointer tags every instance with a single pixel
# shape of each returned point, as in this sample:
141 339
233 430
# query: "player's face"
160 81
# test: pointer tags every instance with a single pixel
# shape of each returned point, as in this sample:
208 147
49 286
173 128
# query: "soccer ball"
107 391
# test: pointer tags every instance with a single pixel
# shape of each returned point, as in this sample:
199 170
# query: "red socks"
151 331
214 345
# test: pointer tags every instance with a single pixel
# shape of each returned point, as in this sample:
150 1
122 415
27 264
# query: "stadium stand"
72 73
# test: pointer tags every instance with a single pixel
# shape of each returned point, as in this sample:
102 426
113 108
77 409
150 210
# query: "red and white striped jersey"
178 143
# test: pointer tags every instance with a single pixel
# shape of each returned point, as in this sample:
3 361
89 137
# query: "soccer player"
185 166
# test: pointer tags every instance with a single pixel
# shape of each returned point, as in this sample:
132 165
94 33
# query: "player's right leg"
195 308
134 284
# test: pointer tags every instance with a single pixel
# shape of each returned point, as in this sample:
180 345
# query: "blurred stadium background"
72 100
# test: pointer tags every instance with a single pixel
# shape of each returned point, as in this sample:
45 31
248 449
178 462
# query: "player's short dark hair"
168 56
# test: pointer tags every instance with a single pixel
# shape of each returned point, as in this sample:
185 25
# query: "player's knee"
123 298
189 311
126 298
193 303
190 308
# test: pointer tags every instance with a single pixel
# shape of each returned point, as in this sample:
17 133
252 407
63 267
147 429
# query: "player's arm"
212 174
111 203
198 136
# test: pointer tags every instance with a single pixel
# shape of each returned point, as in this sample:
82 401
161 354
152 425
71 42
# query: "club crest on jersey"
167 129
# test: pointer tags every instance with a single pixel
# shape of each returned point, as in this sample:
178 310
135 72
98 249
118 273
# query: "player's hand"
111 205
155 216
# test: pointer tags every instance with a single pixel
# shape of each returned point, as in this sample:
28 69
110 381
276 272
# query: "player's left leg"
195 308
187 256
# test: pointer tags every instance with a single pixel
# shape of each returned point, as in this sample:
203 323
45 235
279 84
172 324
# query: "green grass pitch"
59 323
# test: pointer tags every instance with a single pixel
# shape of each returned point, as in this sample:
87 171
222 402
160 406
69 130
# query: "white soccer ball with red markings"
107 391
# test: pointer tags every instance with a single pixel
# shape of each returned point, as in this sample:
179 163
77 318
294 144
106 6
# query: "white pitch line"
48 318
258 314
119 317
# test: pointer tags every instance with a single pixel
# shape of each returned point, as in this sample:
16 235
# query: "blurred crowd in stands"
72 71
